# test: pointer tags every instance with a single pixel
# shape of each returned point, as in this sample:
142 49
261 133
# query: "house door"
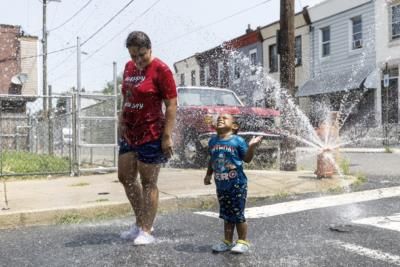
390 101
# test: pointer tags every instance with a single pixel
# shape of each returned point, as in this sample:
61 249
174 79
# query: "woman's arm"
208 177
170 116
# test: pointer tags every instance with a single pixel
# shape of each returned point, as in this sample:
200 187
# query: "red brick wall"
9 54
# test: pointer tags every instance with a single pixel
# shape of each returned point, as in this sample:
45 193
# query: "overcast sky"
177 28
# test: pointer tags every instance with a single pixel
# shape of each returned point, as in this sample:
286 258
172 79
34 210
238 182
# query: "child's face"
225 123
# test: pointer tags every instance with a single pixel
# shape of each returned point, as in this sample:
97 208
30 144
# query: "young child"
228 151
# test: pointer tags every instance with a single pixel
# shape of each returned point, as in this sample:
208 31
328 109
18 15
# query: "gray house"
343 60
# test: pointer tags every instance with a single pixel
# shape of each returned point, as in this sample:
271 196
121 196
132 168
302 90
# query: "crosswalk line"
367 252
314 203
391 222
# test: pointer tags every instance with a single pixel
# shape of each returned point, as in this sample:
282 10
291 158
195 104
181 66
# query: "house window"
206 74
395 22
297 51
182 79
220 73
356 39
253 61
193 77
325 41
273 58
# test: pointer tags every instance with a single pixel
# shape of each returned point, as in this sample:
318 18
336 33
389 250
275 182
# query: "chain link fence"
68 134
31 140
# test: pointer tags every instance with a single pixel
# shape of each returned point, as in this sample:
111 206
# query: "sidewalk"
50 201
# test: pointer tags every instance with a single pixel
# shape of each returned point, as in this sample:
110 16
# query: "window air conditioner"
357 44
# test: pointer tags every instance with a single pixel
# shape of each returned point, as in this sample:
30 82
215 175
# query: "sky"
178 29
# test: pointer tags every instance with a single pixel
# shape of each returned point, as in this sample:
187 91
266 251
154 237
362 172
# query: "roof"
331 82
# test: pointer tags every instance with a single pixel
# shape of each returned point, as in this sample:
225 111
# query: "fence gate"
95 132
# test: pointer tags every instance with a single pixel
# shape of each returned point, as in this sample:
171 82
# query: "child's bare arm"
208 177
252 147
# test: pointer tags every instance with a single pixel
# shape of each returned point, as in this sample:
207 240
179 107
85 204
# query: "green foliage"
25 162
360 179
388 150
345 166
280 196
336 190
109 90
80 184
69 219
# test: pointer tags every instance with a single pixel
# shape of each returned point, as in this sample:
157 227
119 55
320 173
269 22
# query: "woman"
145 132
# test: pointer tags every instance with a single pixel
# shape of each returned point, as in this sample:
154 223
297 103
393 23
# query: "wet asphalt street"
324 236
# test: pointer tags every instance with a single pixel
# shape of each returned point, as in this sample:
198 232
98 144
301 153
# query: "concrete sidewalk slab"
59 200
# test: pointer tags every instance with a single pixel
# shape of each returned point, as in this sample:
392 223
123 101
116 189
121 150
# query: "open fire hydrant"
328 131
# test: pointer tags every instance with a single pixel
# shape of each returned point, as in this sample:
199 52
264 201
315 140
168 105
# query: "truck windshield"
207 97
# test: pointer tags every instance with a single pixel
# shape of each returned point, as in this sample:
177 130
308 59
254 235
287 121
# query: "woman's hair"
138 39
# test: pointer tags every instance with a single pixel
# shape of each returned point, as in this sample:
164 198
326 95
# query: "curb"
92 211
66 215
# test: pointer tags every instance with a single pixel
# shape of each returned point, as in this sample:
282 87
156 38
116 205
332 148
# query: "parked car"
198 108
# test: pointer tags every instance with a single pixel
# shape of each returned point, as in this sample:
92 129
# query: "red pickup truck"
198 108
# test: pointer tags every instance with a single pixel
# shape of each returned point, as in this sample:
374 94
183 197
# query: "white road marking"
388 222
370 253
315 203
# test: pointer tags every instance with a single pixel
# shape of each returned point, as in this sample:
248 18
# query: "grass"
80 184
344 165
388 149
69 219
280 196
24 163
102 200
360 179
336 190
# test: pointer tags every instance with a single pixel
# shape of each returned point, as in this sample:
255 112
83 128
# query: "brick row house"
18 77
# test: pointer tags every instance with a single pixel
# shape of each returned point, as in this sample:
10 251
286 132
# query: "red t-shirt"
144 91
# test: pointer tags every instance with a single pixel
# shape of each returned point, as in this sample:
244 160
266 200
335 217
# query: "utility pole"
386 86
44 52
287 79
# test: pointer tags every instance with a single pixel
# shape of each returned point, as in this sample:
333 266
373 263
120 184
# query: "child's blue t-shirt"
227 160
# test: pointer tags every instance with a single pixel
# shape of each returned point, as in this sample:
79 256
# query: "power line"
216 22
116 35
112 18
52 52
96 32
74 15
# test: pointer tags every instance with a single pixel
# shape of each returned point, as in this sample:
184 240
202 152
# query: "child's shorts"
150 152
232 203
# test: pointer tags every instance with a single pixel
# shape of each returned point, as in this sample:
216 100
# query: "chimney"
249 30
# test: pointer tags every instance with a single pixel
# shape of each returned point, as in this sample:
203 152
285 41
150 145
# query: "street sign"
386 80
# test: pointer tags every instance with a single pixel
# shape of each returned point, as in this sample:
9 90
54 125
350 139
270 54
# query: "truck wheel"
265 159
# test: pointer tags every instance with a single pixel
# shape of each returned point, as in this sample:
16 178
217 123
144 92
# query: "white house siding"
387 51
342 58
186 67
29 46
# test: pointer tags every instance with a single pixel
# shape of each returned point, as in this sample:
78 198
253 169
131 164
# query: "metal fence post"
115 112
75 167
50 120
